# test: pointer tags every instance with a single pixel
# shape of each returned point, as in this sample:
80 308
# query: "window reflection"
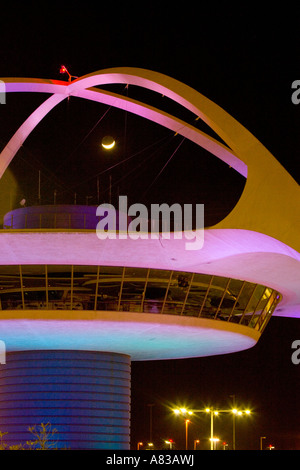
140 290
10 288
33 286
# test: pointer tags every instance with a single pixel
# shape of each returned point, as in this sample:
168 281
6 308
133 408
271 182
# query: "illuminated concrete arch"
244 152
266 218
257 244
61 89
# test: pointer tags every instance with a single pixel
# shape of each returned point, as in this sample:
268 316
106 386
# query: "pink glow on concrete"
239 254
26 128
79 88
244 254
34 85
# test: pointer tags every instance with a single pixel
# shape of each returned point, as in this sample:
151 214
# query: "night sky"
242 58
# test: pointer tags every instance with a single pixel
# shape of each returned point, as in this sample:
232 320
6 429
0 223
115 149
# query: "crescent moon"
109 146
108 142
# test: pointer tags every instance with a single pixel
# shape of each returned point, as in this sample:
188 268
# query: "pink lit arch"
258 241
61 90
264 200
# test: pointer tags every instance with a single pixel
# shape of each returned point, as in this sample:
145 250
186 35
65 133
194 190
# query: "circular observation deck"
145 313
58 216
145 310
62 289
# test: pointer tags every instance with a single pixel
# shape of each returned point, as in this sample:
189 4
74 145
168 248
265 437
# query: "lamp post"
213 442
170 442
196 441
260 441
150 420
187 422
213 412
235 413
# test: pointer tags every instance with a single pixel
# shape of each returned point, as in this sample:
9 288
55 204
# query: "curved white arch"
259 240
25 129
112 99
265 206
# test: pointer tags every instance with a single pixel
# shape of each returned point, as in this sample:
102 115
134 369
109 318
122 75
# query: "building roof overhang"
258 241
235 253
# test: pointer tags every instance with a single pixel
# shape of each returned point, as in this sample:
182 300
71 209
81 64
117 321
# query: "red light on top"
63 69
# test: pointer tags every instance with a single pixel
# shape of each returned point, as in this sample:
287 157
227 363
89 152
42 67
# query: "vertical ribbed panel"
84 395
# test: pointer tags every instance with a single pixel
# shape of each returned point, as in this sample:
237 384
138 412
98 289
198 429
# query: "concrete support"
85 395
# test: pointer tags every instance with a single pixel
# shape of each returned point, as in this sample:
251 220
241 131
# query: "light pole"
184 412
150 420
213 412
235 413
170 442
187 421
260 441
196 441
213 442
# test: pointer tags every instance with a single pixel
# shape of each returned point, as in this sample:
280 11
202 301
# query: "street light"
139 444
170 442
184 412
214 441
260 441
214 412
236 412
187 422
196 441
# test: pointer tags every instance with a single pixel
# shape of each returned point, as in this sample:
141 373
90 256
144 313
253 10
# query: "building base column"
85 395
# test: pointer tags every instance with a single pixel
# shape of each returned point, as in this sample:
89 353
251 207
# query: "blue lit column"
85 395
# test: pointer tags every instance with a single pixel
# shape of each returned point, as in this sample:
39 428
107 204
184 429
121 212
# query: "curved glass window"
142 290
